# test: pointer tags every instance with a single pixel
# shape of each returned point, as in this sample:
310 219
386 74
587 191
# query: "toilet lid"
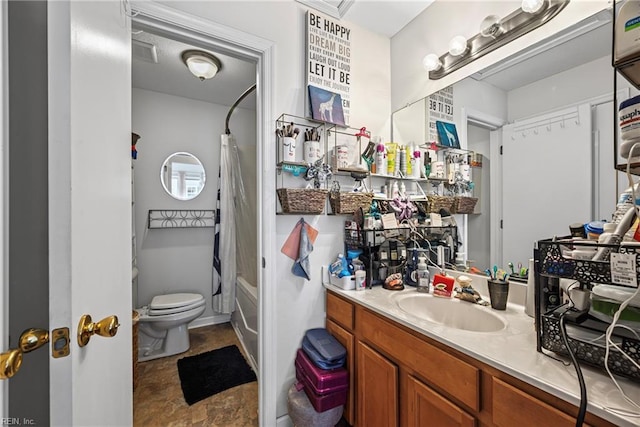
169 301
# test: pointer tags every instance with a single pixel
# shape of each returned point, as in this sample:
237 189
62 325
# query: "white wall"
301 303
569 87
178 260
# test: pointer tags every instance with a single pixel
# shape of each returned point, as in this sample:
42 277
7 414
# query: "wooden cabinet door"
514 407
377 389
346 339
428 408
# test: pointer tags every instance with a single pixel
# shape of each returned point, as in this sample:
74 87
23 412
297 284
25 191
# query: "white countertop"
513 351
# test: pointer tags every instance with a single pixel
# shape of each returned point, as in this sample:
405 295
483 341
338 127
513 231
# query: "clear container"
423 276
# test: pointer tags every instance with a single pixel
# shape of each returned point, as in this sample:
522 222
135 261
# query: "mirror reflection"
182 176
542 123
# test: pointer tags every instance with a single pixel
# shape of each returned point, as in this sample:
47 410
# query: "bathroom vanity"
409 371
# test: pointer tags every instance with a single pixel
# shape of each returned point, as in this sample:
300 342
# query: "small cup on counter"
498 293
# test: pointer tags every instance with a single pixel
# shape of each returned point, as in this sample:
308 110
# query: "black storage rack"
550 266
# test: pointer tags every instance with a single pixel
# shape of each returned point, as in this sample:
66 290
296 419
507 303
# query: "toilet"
162 328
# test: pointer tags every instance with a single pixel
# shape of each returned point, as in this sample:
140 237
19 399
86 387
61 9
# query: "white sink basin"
450 312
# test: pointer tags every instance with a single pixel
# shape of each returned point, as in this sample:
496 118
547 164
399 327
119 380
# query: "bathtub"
245 319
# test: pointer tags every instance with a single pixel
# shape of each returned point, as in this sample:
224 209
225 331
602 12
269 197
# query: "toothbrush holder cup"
498 293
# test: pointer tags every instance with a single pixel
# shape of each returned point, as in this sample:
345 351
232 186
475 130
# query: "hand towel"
291 246
301 267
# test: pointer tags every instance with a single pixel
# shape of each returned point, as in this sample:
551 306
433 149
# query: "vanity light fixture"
203 65
494 33
431 62
458 46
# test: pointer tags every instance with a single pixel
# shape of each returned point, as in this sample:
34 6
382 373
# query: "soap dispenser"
423 275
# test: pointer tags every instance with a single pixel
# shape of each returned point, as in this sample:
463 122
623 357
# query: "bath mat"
206 374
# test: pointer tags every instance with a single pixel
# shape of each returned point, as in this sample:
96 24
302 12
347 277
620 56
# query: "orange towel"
291 246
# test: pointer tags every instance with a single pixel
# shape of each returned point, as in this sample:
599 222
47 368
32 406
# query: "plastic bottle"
403 161
391 159
395 192
423 275
340 267
360 273
336 266
381 160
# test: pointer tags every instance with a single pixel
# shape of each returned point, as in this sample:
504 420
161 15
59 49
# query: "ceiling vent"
144 51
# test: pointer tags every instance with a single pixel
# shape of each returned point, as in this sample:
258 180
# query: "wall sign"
439 109
328 66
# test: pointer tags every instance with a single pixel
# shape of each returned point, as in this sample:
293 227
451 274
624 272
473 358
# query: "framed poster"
328 61
326 106
439 107
447 134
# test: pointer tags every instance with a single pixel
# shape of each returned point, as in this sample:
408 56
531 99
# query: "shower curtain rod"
235 104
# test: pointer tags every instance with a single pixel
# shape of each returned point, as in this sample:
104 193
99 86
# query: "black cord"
583 389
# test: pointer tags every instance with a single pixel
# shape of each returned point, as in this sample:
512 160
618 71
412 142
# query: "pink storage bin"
325 389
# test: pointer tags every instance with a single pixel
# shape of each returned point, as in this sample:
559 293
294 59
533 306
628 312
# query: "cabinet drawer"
340 311
441 369
512 406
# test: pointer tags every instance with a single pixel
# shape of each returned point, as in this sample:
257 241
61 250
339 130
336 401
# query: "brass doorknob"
29 340
107 327
32 339
10 363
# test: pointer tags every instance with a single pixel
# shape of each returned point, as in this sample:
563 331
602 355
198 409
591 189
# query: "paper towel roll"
530 300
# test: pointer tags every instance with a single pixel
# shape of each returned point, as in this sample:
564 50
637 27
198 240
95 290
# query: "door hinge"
501 224
501 150
264 263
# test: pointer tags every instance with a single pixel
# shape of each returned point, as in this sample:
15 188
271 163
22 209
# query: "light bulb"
532 6
431 62
202 68
458 45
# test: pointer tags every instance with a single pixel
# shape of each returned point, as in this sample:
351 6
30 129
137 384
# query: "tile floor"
158 399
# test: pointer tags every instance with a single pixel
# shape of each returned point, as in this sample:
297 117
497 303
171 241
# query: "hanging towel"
301 267
291 246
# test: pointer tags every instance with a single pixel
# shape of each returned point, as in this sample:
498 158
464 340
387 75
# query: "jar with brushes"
311 146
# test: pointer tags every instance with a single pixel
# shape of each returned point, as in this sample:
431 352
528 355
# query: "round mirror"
182 176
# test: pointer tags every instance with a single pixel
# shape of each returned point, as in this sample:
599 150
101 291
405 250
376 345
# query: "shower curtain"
224 248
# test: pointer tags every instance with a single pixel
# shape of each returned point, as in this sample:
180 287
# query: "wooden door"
426 407
377 388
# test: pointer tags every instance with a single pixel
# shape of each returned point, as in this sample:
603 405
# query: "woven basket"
302 200
465 205
438 202
348 202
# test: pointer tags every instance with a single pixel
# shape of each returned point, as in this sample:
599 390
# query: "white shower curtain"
224 257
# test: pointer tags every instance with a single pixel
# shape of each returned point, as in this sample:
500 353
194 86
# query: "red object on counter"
443 285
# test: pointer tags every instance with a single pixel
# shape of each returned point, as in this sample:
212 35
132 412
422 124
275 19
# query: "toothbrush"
511 267
489 273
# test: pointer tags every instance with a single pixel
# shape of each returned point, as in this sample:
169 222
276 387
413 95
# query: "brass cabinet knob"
107 327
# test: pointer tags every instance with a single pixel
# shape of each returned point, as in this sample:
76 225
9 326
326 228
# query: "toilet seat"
174 303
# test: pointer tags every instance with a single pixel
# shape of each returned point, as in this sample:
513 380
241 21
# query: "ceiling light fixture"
203 65
495 32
